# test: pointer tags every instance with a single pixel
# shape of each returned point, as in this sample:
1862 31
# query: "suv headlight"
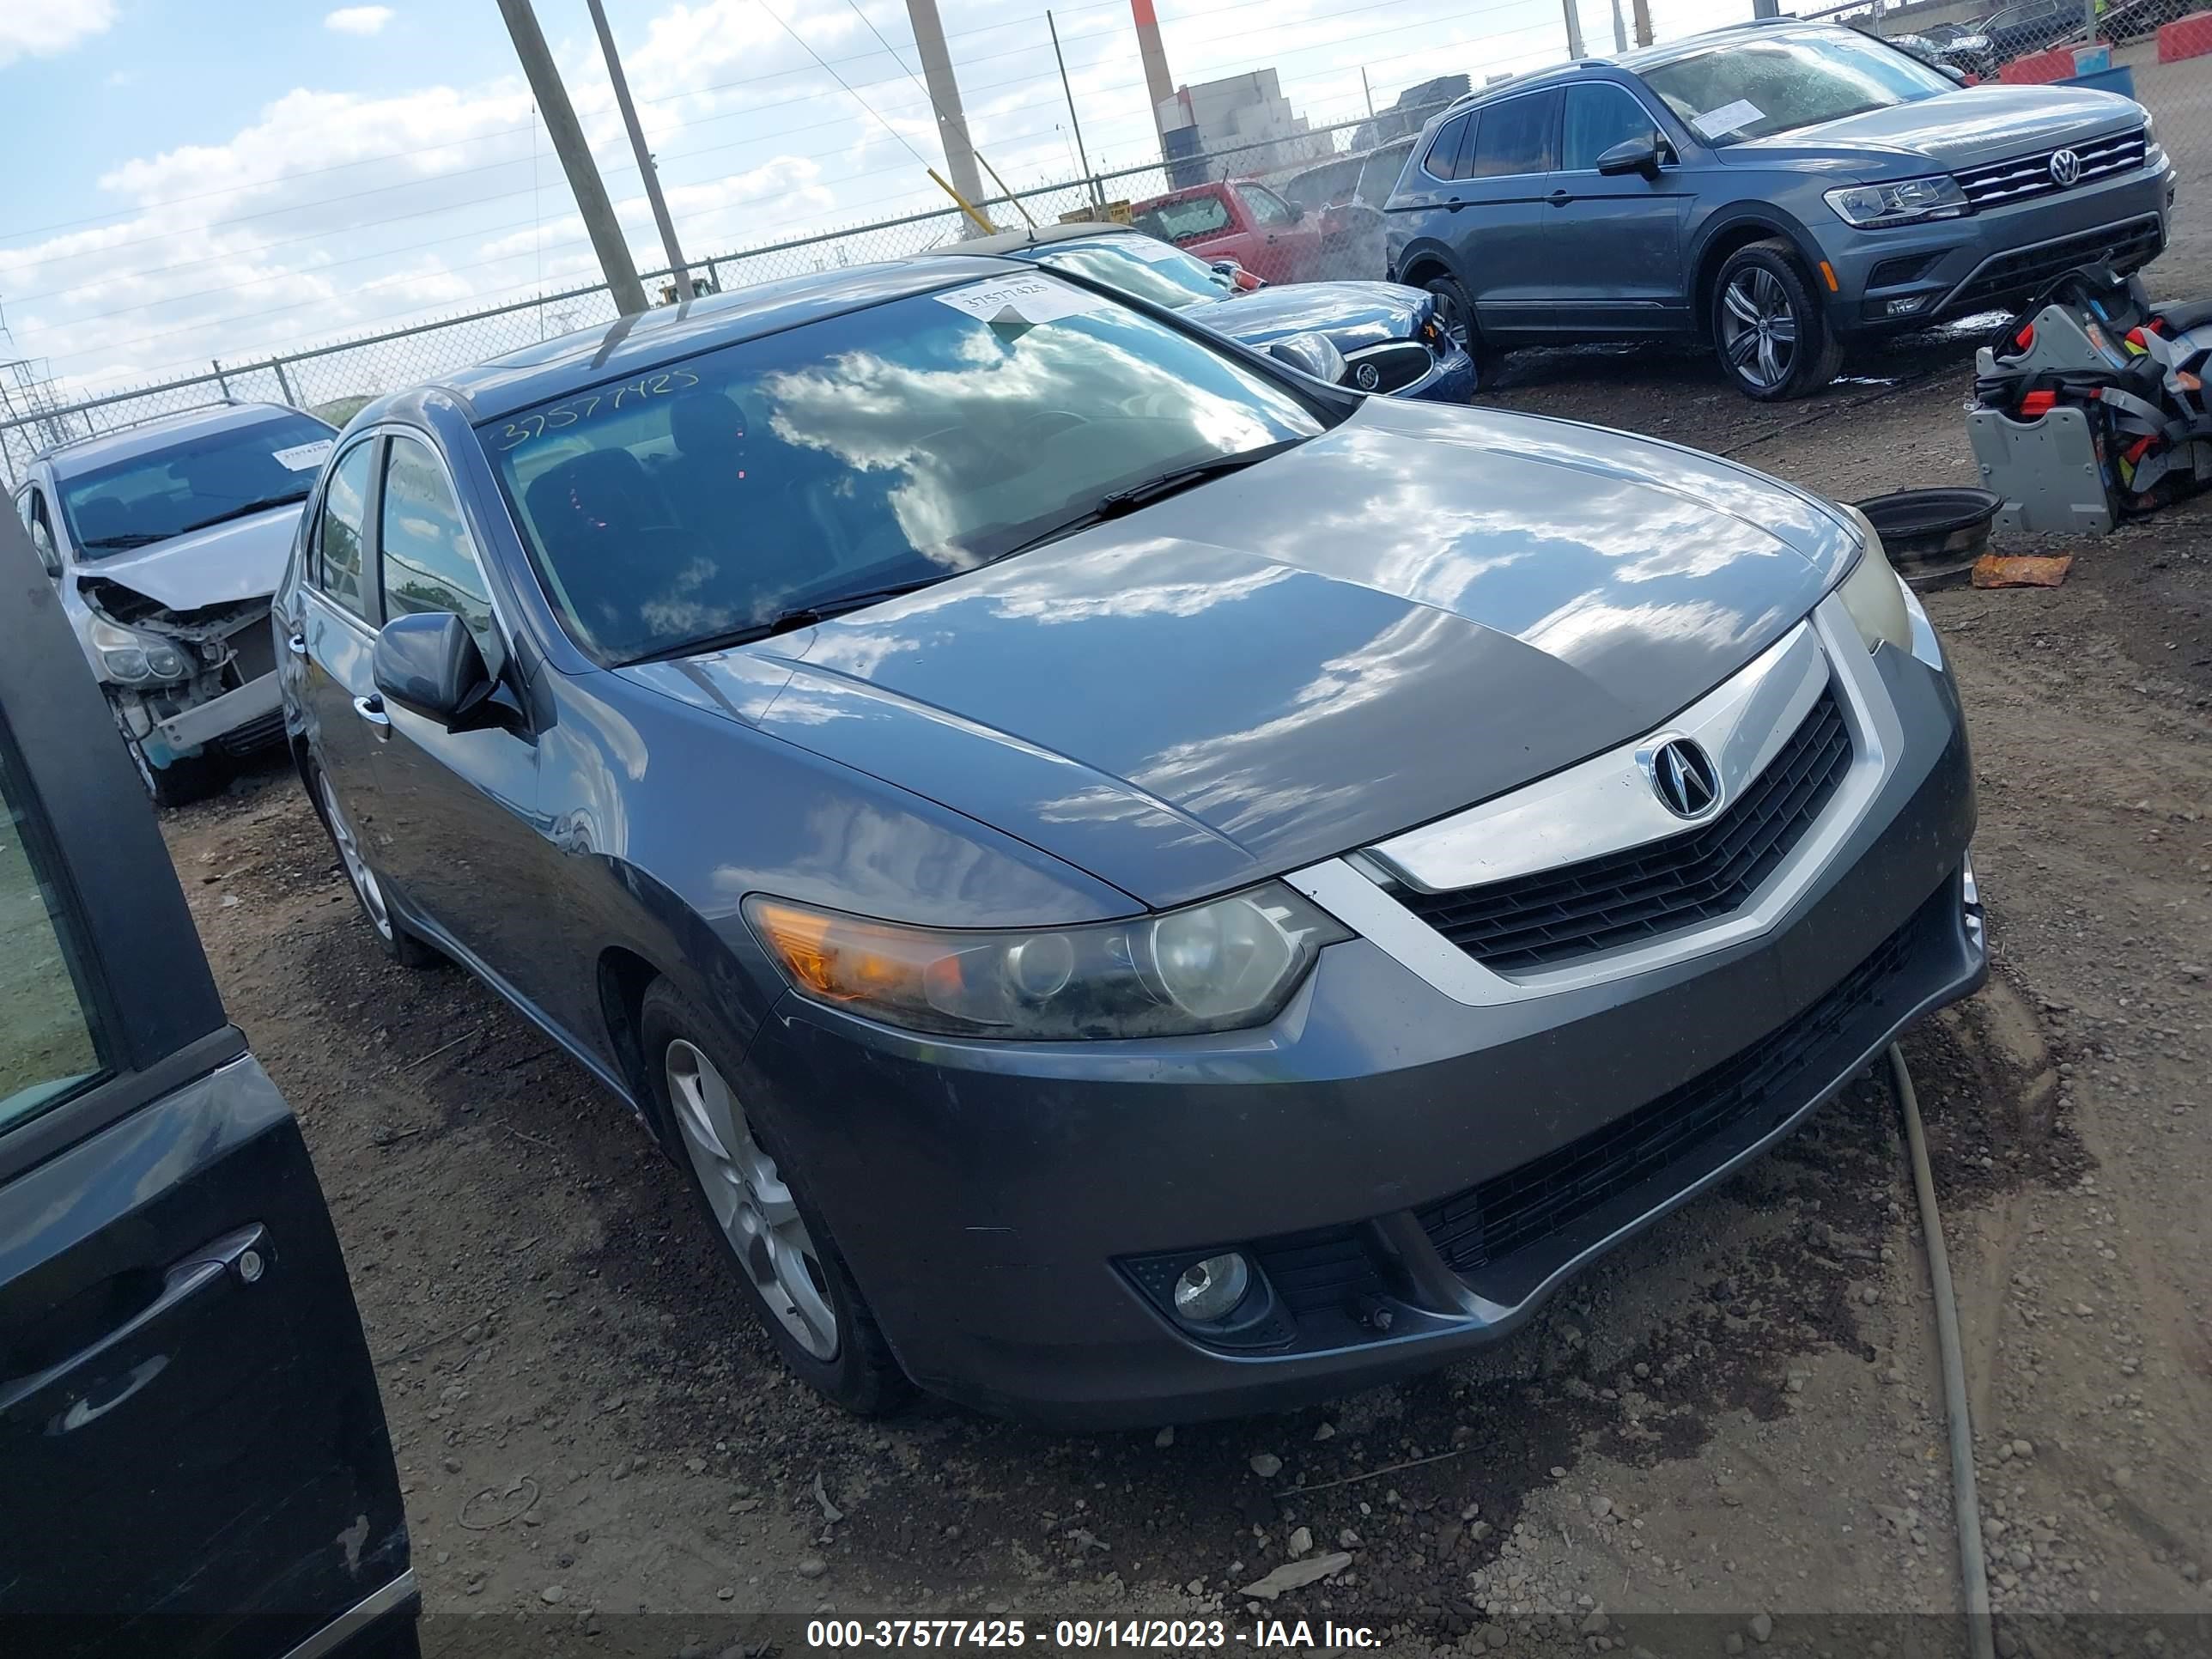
1219 966
2153 152
135 659
1868 207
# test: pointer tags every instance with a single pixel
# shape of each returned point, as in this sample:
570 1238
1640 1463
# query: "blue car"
1387 334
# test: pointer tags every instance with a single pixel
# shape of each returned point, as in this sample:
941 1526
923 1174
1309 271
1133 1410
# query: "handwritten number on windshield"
516 433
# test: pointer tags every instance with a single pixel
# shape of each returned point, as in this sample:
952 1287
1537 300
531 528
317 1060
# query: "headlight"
1869 206
1873 594
135 659
2153 152
1219 966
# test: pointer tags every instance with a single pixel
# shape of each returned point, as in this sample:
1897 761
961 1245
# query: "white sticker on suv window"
1729 118
301 456
1030 300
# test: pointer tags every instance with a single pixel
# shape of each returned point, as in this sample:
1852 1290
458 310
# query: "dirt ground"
1737 1417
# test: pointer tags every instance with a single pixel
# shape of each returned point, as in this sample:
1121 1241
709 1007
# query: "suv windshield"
202 479
1142 269
881 449
1754 89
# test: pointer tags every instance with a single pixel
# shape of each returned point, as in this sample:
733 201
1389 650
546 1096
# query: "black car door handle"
243 1253
371 709
1455 205
297 645
1559 197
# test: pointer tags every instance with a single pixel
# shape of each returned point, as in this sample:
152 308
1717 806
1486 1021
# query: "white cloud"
359 19
40 29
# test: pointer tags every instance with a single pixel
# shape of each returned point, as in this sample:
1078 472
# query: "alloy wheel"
356 866
1758 328
750 1201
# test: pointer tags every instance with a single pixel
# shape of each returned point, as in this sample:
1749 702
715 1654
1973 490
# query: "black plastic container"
1933 534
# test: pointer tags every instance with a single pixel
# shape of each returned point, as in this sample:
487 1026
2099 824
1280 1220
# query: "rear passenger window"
338 539
428 561
1442 159
1598 117
1514 137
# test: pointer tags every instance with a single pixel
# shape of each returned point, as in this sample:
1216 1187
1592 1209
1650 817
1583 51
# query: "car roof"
632 344
74 455
1012 241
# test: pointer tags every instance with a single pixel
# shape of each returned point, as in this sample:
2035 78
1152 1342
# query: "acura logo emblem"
1369 377
2065 167
1683 778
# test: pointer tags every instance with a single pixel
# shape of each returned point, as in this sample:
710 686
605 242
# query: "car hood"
242 560
1352 314
1952 128
1413 612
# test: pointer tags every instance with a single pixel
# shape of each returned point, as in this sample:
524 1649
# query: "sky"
188 180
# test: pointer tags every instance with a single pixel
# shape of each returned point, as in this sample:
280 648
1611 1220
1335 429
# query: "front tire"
788 1266
1455 314
1769 331
402 946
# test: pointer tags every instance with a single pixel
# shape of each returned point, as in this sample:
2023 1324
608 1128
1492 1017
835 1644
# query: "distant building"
1414 106
1233 127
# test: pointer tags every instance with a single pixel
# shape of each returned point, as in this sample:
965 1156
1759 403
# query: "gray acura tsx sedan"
1133 882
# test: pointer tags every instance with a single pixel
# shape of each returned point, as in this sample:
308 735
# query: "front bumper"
246 718
1917 275
995 1202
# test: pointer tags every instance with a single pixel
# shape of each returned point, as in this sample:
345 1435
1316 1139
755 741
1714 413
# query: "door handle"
371 709
243 1253
1559 197
297 645
1455 205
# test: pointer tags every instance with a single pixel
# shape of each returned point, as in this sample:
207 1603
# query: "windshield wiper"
125 539
245 509
786 621
1116 503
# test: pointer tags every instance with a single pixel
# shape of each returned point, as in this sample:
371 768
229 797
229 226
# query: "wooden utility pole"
1642 22
644 167
568 138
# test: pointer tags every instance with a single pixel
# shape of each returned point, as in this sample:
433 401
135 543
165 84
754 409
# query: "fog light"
1210 1290
1907 306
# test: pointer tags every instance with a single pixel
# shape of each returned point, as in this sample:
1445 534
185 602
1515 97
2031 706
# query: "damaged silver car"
166 540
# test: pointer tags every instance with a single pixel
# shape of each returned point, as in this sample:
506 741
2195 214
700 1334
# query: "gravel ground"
1730 1428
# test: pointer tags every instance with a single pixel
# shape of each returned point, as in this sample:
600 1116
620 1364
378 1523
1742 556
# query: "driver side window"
427 559
34 509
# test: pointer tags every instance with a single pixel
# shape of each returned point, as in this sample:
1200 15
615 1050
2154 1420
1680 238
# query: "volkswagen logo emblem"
2065 167
1369 377
1683 779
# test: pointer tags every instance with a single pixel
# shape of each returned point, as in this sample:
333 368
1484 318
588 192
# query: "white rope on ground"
1973 1567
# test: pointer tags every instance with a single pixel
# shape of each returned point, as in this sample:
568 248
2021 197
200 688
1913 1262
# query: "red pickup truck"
1242 220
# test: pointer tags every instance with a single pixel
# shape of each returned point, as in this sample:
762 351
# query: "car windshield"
1754 89
1141 268
1183 220
202 479
887 447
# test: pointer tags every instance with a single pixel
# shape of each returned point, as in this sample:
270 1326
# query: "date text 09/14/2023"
1166 1635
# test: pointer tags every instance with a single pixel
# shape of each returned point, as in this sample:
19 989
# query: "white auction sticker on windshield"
301 457
1729 118
1031 300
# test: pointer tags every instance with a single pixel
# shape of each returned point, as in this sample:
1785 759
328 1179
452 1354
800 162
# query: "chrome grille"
1397 365
2024 177
1627 898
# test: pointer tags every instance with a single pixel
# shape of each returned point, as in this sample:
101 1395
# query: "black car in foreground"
194 1462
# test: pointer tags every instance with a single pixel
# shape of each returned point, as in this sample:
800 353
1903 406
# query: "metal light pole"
1619 30
568 138
1068 92
644 167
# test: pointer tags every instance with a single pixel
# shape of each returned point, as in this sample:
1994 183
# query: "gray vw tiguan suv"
1778 189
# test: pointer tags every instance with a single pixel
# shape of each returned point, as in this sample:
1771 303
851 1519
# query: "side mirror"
428 664
1311 354
1634 155
1957 76
1227 268
47 556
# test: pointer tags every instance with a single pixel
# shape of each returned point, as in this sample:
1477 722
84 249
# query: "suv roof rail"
225 402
